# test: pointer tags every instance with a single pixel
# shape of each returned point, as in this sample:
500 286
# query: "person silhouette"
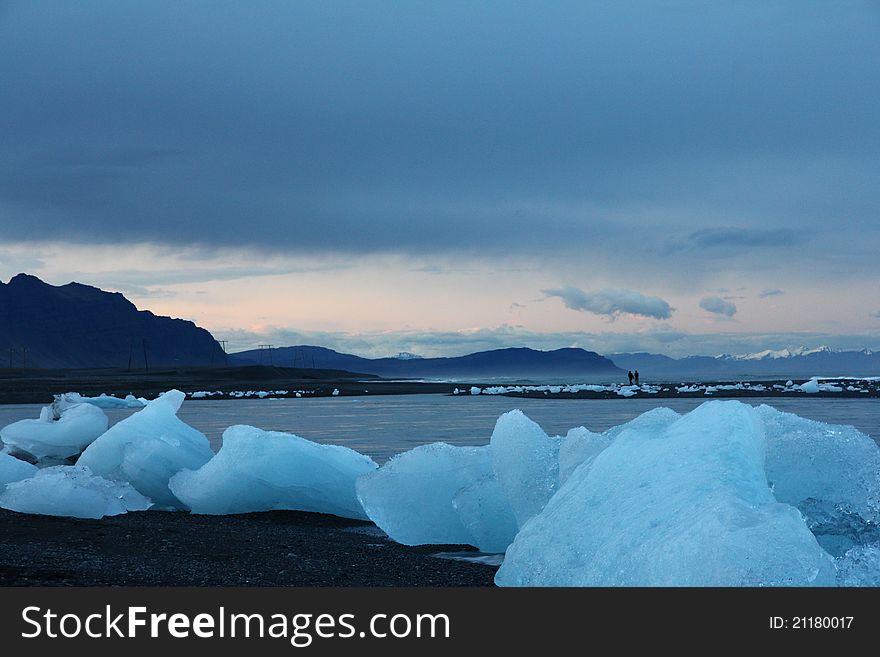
636 376
630 375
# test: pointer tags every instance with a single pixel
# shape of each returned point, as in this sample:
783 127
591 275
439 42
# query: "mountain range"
519 362
79 326
800 362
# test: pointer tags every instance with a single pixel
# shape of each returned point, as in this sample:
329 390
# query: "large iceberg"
62 431
13 469
258 470
148 448
438 494
688 505
71 490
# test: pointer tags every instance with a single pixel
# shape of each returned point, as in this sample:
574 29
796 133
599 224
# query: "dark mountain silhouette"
79 326
515 362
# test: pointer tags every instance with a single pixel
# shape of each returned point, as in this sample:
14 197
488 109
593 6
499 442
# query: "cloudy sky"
439 177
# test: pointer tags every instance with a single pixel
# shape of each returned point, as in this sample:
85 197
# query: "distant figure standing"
636 375
630 375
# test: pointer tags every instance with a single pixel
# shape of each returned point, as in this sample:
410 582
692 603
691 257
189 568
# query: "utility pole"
146 362
130 352
225 356
24 351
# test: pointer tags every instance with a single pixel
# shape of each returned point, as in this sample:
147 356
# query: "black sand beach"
276 548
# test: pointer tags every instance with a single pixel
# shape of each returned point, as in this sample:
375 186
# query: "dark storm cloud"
457 127
718 306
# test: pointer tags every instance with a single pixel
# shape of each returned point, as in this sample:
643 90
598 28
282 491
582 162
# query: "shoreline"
177 548
39 386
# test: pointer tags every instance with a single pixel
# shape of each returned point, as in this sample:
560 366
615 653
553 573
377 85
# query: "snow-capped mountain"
780 353
799 361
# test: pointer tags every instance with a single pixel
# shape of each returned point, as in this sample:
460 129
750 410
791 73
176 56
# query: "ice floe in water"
63 430
73 491
685 505
103 400
148 448
13 469
258 470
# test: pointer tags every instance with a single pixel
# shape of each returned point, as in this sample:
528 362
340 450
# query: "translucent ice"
581 446
75 491
13 469
830 472
148 448
412 496
686 505
526 462
62 431
860 566
485 513
258 470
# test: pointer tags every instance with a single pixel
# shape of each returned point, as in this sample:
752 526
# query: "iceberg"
148 448
860 566
71 490
485 513
13 469
688 505
103 400
830 472
62 431
526 462
258 470
580 445
412 496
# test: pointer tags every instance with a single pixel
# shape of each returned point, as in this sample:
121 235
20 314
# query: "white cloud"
611 302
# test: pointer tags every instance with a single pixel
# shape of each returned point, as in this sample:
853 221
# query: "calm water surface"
382 426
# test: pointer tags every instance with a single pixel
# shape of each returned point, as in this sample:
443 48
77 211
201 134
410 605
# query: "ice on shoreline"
412 497
684 505
13 469
258 470
148 448
73 491
725 495
63 430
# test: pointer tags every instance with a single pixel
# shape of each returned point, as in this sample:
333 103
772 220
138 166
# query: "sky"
443 177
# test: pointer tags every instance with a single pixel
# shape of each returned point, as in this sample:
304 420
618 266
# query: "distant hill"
79 326
509 363
801 362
